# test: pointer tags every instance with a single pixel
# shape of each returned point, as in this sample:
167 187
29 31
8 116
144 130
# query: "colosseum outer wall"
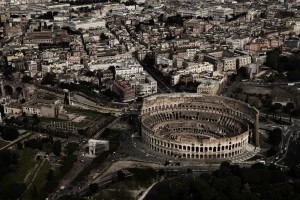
235 114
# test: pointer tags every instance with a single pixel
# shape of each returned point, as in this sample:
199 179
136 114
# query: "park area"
25 174
33 170
129 188
3 143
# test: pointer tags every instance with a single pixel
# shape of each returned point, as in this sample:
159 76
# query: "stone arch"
8 90
19 91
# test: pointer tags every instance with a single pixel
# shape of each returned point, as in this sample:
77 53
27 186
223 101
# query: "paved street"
291 156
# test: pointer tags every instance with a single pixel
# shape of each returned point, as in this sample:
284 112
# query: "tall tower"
2 88
67 97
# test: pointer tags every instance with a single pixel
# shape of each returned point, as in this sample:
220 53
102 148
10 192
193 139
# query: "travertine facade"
198 126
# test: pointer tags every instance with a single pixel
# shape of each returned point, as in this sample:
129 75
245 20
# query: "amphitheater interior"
196 126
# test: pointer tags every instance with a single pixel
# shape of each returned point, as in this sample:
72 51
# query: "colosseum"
197 126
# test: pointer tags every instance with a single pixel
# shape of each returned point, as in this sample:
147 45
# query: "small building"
13 108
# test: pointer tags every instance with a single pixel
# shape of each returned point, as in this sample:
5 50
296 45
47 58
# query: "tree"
275 136
89 74
33 191
120 175
288 107
71 147
51 139
151 22
2 110
22 101
94 187
48 79
25 120
57 148
267 101
295 113
82 132
161 18
103 37
189 171
9 133
113 70
166 163
50 175
243 73
293 76
273 150
247 98
161 172
13 191
27 79
225 164
8 159
20 145
277 106
273 58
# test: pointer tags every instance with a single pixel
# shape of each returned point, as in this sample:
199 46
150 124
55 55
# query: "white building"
160 60
229 64
192 68
124 71
12 109
143 84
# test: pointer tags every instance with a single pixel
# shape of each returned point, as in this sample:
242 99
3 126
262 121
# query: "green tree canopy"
27 79
275 136
9 133
57 148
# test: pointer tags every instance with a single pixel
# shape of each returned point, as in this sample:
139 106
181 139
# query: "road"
162 86
98 134
102 183
291 156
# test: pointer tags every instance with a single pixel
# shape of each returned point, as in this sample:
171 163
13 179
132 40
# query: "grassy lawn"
90 115
263 141
39 181
3 143
33 174
25 164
